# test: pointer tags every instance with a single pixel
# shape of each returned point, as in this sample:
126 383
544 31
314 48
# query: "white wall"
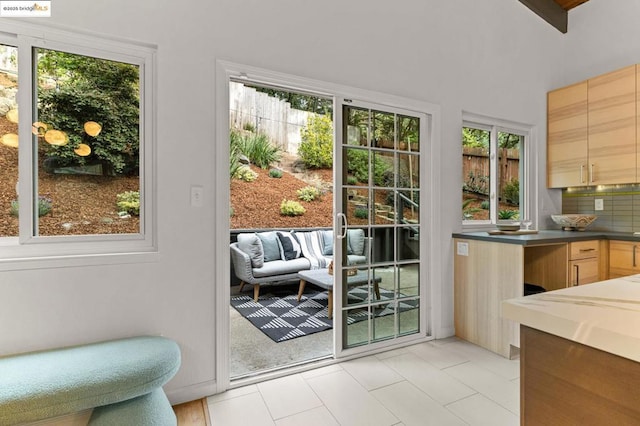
490 57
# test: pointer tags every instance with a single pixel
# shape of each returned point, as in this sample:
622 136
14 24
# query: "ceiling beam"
550 11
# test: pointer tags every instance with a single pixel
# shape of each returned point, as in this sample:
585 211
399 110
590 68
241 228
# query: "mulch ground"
81 205
257 204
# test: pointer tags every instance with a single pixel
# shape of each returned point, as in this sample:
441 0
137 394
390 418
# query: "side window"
493 173
85 129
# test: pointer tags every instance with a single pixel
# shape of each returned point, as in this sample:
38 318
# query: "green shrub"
275 173
259 150
508 214
316 147
352 180
249 127
44 206
308 193
246 174
511 192
361 213
235 139
485 205
129 202
291 208
358 166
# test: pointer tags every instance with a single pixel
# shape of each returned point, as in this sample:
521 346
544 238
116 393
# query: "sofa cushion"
289 246
326 238
251 244
282 267
355 241
270 246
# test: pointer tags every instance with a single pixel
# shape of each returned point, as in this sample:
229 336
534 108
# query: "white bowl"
573 222
508 226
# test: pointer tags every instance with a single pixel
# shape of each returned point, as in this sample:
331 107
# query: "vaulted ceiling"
555 12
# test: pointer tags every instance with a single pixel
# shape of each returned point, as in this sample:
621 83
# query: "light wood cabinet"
567 144
592 131
584 262
624 258
612 127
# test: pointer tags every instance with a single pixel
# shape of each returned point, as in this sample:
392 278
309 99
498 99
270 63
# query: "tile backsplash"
621 206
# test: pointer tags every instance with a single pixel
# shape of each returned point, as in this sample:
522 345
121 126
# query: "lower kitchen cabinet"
624 258
584 262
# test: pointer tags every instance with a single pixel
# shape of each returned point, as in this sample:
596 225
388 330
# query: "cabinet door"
583 271
624 258
567 127
612 127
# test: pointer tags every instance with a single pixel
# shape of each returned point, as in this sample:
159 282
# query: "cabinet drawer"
583 249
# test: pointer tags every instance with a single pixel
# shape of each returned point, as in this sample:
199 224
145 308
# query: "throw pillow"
355 241
326 238
270 246
251 244
289 245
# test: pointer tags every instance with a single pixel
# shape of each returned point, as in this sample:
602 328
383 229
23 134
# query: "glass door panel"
380 195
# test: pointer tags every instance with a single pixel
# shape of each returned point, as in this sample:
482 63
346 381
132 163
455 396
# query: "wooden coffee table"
323 279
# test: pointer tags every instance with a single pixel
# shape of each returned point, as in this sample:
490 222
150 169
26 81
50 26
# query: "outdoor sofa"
276 257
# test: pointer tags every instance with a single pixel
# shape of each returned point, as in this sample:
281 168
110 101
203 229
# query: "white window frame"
27 251
527 178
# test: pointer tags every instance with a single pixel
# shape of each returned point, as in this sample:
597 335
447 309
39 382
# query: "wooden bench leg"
376 290
301 289
256 292
242 283
330 305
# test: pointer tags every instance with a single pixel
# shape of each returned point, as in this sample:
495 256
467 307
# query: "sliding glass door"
378 187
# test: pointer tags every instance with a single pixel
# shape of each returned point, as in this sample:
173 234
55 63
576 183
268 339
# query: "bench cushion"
281 267
51 383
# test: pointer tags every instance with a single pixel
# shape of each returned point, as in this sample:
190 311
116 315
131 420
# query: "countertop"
603 315
549 237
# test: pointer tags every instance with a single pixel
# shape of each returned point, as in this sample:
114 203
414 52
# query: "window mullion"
493 174
26 179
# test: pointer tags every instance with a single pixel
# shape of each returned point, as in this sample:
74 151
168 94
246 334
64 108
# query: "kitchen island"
580 354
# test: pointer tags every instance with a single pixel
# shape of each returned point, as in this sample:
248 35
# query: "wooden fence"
266 114
475 168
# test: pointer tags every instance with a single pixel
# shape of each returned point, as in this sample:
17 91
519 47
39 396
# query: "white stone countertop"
604 315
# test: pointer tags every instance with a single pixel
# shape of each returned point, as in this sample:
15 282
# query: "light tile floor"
443 382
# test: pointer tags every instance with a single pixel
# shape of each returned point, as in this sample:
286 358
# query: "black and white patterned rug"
282 317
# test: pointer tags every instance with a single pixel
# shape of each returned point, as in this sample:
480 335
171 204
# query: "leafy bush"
259 150
308 193
129 202
246 174
316 147
361 213
511 192
358 166
508 214
291 208
485 205
275 173
44 206
234 153
352 180
249 127
92 89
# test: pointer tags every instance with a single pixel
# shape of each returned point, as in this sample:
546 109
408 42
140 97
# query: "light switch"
197 193
462 249
599 204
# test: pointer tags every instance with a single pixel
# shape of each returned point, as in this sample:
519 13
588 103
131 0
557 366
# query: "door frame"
225 72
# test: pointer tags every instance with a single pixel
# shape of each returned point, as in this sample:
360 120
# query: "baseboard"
191 393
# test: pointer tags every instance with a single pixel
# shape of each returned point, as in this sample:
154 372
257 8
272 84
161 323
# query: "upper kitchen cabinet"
567 144
591 136
612 127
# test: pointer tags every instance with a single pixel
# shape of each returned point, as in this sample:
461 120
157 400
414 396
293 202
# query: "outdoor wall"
493 58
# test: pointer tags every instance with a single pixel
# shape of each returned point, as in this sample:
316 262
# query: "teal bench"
120 379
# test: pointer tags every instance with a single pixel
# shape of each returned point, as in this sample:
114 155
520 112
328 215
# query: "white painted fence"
271 116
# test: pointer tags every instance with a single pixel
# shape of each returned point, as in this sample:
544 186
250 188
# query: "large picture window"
76 141
493 173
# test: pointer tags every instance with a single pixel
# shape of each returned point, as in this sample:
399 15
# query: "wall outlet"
197 194
462 249
599 204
